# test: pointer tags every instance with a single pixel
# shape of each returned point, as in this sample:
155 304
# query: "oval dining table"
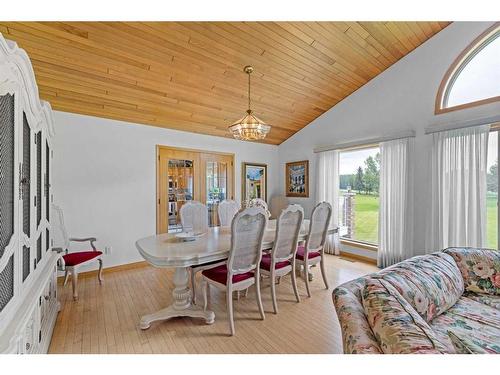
168 251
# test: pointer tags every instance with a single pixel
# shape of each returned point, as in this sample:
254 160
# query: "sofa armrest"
357 336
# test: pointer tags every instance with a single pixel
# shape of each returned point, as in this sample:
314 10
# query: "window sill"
359 245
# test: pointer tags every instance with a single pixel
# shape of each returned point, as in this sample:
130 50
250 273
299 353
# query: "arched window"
474 77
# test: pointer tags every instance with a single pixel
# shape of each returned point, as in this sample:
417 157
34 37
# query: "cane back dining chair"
72 261
194 218
226 210
281 260
313 251
242 268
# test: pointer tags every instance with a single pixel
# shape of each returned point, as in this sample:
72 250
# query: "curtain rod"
461 124
366 142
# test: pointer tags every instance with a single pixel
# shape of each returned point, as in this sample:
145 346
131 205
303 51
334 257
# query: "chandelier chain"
249 108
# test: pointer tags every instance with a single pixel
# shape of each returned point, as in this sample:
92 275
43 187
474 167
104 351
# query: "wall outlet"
107 250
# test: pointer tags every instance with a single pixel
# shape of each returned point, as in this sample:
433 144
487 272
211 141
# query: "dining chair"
242 267
313 251
258 202
227 209
72 261
194 217
281 260
278 203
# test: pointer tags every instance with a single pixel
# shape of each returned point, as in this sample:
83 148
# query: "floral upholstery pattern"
357 336
397 326
430 283
487 299
480 268
471 321
460 346
427 296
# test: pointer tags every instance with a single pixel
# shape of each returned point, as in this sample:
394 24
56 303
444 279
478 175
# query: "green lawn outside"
366 219
491 220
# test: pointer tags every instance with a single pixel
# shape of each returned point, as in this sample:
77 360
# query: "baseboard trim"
121 267
359 245
357 257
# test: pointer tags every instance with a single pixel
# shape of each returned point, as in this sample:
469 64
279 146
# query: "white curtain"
458 188
328 190
396 201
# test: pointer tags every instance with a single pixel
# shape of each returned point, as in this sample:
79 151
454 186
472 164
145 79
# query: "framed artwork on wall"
254 181
297 179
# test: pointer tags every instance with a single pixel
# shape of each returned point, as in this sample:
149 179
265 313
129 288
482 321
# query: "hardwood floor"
105 318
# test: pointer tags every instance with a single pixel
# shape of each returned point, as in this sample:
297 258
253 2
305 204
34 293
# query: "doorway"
184 175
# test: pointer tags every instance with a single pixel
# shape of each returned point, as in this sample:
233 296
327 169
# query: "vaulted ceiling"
189 75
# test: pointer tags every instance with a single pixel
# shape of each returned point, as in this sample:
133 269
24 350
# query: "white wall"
105 176
400 98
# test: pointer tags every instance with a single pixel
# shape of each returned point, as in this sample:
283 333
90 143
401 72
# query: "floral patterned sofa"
445 302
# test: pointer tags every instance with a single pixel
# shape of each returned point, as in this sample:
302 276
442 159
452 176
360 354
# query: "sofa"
444 302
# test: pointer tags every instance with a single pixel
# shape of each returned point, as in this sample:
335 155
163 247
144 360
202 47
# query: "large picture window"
359 172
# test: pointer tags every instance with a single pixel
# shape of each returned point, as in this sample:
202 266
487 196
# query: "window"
359 200
492 192
473 77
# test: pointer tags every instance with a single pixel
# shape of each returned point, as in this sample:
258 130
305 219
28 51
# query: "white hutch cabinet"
28 284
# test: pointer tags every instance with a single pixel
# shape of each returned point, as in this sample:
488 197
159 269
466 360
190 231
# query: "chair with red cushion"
71 262
281 260
313 252
242 267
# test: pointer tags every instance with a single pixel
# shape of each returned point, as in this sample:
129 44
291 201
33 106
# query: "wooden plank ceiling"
189 75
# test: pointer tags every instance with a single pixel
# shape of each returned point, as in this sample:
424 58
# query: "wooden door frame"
159 148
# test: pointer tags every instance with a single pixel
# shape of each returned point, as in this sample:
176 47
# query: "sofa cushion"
430 283
488 299
480 268
470 319
398 328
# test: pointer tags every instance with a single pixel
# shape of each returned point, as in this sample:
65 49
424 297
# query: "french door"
184 175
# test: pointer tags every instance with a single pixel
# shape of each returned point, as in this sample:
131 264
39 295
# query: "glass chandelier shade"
250 127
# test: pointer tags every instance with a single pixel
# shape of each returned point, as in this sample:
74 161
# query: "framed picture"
254 181
297 179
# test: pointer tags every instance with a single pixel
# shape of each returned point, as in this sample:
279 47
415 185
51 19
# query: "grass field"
366 218
366 222
491 221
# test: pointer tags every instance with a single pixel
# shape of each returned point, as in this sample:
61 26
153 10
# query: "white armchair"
72 261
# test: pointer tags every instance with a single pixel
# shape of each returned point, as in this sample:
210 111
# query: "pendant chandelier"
250 127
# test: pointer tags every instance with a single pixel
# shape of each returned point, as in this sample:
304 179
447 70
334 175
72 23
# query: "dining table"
169 251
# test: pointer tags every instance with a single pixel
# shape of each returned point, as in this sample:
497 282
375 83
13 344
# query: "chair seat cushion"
73 259
265 263
219 274
301 251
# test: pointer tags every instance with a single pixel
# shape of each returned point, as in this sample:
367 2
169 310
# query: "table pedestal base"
182 305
